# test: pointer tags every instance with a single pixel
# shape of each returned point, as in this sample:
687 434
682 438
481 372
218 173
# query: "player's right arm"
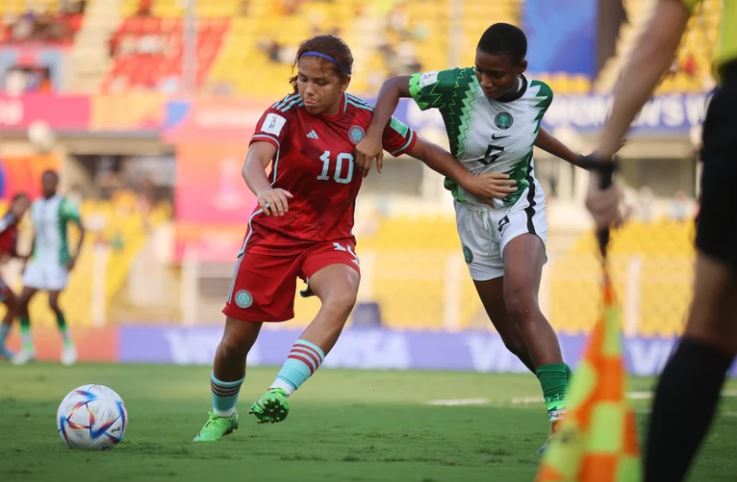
270 137
273 202
370 147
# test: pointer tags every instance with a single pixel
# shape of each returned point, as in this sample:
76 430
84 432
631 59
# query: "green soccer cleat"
272 407
216 427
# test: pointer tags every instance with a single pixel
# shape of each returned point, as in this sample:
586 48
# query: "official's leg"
689 387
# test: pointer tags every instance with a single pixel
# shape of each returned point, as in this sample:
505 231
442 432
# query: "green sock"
61 323
554 382
25 333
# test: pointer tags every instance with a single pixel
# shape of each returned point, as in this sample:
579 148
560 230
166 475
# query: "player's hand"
71 263
274 202
604 204
368 150
490 185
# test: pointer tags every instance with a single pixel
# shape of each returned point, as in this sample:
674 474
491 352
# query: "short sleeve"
272 127
543 94
432 89
69 212
398 138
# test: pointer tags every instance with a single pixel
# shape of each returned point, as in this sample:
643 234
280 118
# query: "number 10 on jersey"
338 175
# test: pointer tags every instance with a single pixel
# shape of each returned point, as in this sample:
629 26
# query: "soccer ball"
92 417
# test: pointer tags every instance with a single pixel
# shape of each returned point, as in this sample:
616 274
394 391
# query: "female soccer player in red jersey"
8 238
302 225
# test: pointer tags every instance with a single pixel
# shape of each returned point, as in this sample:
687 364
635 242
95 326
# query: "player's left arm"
71 213
483 186
80 242
550 144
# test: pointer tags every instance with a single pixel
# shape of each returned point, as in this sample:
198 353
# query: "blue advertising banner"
376 349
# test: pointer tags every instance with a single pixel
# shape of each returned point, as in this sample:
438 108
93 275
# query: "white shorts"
45 276
485 231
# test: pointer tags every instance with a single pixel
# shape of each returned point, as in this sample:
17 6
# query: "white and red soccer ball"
92 417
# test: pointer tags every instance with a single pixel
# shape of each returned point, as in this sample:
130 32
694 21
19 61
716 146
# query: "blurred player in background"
302 225
8 242
50 263
692 380
492 115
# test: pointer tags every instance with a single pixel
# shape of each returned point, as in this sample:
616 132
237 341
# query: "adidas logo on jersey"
312 134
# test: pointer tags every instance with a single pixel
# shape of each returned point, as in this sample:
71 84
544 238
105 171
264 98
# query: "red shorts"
265 279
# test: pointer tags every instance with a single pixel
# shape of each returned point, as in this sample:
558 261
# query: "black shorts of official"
716 226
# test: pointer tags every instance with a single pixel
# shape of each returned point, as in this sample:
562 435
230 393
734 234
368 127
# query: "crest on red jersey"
356 134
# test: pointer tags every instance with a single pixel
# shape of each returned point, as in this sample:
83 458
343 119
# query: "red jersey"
315 162
8 234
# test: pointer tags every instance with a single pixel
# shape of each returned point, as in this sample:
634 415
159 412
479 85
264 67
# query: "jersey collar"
516 95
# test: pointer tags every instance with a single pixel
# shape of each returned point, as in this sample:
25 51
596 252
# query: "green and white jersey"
485 135
50 218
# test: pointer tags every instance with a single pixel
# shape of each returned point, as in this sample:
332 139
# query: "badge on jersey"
243 299
467 254
273 124
428 78
503 120
356 134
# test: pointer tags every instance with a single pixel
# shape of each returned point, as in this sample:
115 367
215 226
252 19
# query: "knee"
54 305
231 347
519 307
341 301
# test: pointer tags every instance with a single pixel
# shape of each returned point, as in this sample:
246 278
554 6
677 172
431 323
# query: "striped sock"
303 360
25 333
224 395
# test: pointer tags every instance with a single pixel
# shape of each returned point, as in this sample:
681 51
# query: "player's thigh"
26 295
524 256
491 293
716 231
713 315
6 294
479 241
332 271
54 296
263 286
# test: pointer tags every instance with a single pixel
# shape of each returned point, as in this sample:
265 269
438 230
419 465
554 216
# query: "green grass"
344 425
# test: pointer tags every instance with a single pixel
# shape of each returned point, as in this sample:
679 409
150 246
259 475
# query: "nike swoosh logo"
496 137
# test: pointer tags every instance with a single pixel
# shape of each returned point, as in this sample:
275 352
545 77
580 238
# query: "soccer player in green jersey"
692 380
50 263
492 116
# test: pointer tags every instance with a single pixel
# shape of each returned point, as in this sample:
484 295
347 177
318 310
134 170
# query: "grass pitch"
344 425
